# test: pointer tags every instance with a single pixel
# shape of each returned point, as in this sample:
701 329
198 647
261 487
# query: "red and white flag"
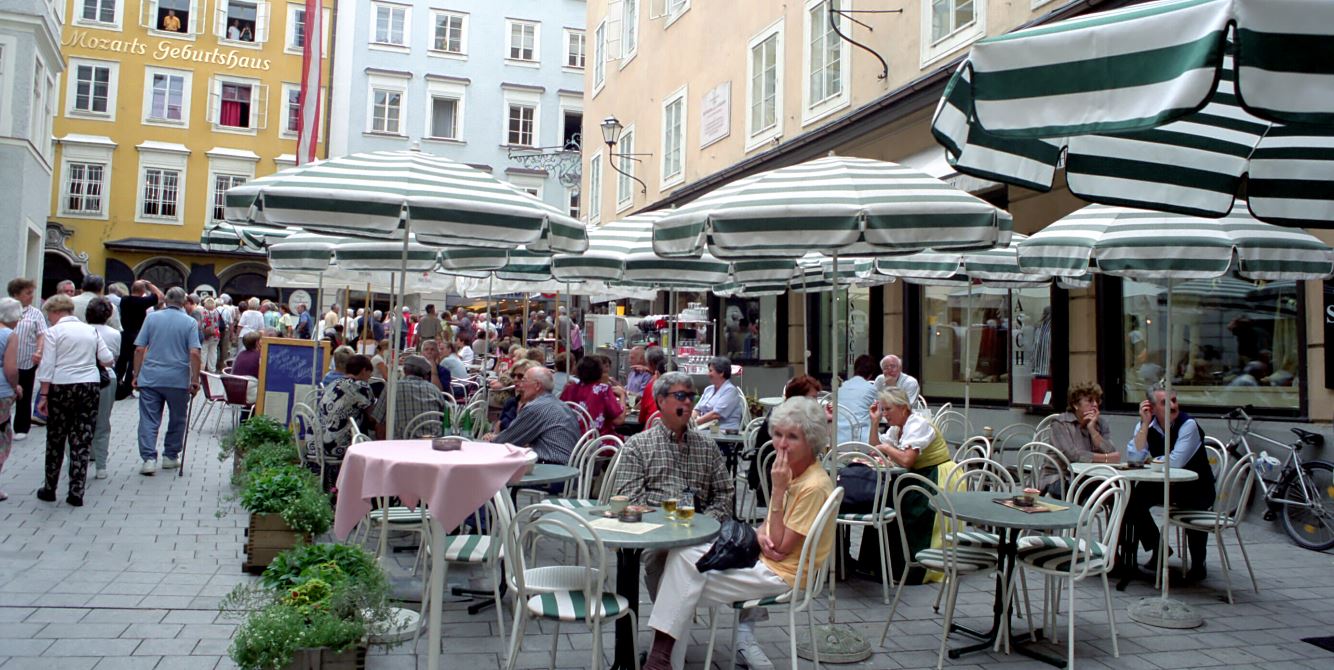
308 123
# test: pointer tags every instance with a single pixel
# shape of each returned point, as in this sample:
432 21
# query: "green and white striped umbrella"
364 255
302 252
1145 245
622 252
1152 110
997 267
832 205
381 194
223 236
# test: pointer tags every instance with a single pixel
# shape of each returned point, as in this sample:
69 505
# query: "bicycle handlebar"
1238 421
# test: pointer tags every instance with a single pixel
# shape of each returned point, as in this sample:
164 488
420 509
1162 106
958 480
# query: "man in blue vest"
1187 452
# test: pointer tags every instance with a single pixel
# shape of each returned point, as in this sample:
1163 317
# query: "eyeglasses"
682 396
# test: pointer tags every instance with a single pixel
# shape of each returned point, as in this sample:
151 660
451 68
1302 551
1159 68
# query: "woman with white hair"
210 334
799 488
69 395
252 320
11 311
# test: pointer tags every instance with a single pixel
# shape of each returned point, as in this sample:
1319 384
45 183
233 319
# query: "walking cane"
185 441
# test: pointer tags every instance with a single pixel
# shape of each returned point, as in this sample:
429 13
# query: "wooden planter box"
267 537
324 659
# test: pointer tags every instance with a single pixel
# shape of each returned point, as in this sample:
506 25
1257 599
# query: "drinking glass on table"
669 507
685 508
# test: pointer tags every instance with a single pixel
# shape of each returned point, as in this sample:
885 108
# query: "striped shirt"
546 426
654 467
29 328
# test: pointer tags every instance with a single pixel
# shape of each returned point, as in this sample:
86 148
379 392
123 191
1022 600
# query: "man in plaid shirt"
415 395
670 459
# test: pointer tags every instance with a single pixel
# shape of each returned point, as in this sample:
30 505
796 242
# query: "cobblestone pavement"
133 580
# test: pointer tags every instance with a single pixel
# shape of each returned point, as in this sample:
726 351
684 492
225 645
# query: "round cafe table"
452 484
980 508
1127 547
629 548
547 473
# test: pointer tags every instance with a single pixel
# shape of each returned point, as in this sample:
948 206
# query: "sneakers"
19 437
169 463
749 655
101 473
149 467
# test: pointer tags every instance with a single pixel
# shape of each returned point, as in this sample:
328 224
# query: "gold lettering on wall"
168 50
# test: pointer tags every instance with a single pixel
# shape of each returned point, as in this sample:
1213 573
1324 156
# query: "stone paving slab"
133 580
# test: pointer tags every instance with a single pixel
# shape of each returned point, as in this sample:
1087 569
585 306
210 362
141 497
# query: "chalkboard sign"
1329 333
286 370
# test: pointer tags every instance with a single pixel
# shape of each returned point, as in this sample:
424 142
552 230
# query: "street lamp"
611 134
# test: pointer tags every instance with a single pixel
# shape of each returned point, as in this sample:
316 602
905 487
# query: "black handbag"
736 546
103 377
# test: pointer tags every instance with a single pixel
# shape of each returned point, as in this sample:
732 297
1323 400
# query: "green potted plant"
286 507
315 607
263 457
251 433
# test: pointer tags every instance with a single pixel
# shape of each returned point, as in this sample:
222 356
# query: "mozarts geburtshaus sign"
167 50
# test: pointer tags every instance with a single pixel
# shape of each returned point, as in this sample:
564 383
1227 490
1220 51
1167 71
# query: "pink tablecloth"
453 483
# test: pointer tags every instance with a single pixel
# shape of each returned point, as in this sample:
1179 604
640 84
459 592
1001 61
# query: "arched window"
164 274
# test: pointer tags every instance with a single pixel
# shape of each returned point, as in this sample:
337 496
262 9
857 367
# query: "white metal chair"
426 424
585 419
1087 552
749 432
880 518
766 453
1228 513
1041 464
597 457
953 426
810 578
951 559
856 426
589 602
478 548
305 427
977 446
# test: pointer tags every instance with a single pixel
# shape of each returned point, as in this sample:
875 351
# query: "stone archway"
164 272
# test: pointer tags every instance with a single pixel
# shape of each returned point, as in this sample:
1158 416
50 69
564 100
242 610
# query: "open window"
172 17
245 21
572 123
238 104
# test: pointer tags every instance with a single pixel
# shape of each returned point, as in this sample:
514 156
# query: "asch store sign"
167 51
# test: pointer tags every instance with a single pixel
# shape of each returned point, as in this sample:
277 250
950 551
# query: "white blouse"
917 433
73 351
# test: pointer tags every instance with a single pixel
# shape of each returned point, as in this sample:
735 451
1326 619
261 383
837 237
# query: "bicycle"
1302 492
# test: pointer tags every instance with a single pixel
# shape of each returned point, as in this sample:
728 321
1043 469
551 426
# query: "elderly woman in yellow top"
800 432
912 443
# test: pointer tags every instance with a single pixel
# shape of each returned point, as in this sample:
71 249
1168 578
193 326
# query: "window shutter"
214 101
259 107
148 14
612 38
196 26
262 23
220 19
657 9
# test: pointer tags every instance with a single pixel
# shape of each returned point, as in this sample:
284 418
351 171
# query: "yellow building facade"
164 106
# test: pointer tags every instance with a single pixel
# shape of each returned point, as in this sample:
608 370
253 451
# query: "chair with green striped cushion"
477 548
949 558
1228 512
881 516
979 474
585 600
810 577
596 462
395 518
1085 552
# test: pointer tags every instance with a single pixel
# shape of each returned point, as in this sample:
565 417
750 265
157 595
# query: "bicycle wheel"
1311 526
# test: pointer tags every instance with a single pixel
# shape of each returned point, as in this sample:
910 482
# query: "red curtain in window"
235 106
231 113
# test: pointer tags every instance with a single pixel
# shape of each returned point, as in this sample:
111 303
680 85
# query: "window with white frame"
574 48
572 204
764 94
4 86
625 184
291 109
387 111
390 24
245 21
296 27
521 124
167 96
676 8
599 56
595 187
92 88
161 193
43 107
445 117
450 32
84 185
826 60
523 40
238 104
172 17
629 29
948 25
222 182
99 12
673 138
571 124
530 184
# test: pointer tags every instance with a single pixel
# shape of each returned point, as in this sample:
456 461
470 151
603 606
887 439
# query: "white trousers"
684 588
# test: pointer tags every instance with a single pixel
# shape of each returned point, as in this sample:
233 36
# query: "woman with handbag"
98 313
800 487
70 375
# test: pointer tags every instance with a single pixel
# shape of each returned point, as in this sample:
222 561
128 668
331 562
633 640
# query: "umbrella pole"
967 361
392 385
315 350
833 357
805 329
569 326
1162 611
